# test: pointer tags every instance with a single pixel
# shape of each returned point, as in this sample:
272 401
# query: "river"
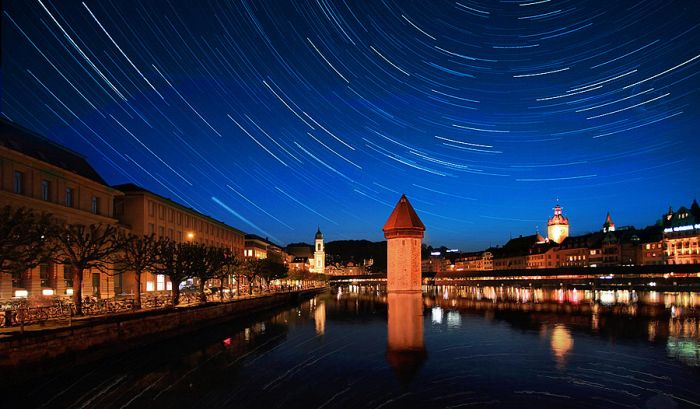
451 347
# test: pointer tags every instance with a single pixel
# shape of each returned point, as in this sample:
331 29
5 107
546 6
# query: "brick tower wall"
403 264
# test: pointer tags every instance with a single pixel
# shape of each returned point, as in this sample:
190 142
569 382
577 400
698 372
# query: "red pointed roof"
608 221
403 217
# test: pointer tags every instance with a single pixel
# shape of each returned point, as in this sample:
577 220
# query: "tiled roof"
22 140
403 217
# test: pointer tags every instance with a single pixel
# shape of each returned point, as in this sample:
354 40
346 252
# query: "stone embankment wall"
117 333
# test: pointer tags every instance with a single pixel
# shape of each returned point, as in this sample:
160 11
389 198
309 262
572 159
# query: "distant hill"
343 251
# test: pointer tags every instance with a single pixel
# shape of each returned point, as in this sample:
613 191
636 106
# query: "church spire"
608 226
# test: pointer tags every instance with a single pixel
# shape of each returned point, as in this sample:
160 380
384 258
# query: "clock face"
557 233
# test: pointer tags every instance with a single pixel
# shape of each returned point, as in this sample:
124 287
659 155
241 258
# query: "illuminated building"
255 247
145 212
475 261
514 254
46 177
650 249
542 255
682 235
305 258
319 260
435 264
608 225
557 226
580 251
404 231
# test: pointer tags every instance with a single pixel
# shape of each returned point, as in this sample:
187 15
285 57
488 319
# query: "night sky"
279 116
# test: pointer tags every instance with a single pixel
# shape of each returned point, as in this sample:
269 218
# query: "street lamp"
190 236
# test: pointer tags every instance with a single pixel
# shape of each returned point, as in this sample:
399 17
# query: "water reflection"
405 345
359 347
562 343
320 317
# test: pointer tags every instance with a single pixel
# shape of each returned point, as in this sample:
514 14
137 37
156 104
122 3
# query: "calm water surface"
450 347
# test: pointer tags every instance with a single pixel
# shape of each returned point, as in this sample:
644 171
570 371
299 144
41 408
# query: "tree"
84 248
24 239
251 269
139 254
231 267
270 270
178 261
213 261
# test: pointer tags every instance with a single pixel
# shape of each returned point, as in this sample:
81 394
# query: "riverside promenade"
89 338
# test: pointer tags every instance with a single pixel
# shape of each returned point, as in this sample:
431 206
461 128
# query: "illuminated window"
160 282
149 286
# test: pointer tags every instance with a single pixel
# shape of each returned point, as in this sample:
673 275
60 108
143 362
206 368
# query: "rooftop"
27 142
403 217
132 188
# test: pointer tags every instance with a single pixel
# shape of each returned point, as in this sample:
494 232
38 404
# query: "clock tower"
557 226
319 253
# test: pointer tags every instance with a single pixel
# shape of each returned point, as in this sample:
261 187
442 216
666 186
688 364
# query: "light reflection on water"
674 313
448 347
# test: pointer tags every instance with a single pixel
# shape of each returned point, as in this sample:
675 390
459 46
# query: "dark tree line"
28 239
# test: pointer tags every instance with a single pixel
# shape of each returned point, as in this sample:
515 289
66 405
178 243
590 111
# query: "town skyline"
326 116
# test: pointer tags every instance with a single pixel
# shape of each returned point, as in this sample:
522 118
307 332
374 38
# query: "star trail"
278 116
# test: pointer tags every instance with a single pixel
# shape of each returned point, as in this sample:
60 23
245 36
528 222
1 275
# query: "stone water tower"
404 232
405 346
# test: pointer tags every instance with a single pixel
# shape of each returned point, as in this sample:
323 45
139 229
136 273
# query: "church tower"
608 226
319 253
404 232
557 226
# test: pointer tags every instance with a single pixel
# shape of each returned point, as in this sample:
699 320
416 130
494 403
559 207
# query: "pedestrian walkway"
80 321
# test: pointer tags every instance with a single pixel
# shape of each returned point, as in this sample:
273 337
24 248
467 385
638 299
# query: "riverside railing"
20 313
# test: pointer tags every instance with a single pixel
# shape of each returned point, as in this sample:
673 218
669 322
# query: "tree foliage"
213 261
270 270
24 239
139 254
85 248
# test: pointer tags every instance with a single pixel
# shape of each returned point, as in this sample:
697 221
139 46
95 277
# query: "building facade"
48 178
261 248
681 235
144 213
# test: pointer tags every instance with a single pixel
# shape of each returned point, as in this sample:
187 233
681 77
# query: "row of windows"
68 198
177 236
46 277
684 244
188 221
